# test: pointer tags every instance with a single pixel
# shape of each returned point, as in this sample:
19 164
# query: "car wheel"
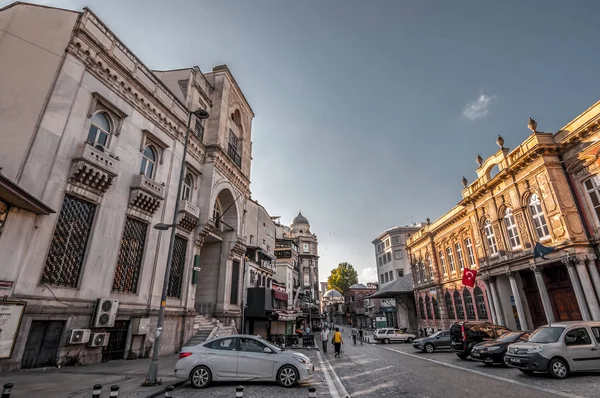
200 377
462 356
386 341
558 368
287 376
409 340
429 348
527 372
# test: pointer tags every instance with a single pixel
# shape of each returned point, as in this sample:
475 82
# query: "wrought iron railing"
177 266
130 256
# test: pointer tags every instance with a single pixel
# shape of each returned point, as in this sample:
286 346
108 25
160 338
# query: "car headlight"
534 350
493 348
301 359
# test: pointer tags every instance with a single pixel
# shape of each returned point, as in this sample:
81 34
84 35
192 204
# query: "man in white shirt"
324 338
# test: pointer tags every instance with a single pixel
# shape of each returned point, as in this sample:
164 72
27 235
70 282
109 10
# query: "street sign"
197 269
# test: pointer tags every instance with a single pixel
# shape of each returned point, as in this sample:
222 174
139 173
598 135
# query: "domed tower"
300 225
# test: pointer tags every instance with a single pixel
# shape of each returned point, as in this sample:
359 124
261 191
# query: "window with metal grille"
480 302
460 310
449 306
469 304
69 242
421 308
232 149
177 267
436 308
199 129
131 253
428 307
235 281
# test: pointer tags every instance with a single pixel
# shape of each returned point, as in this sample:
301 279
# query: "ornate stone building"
92 144
543 191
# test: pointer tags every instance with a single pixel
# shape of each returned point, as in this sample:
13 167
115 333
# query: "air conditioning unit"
99 340
79 336
105 313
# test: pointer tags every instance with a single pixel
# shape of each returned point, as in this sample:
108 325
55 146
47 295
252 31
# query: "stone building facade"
390 253
92 146
542 192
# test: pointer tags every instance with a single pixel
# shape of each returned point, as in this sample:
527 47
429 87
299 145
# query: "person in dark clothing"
361 335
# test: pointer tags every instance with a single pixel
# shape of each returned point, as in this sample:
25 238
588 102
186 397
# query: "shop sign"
6 284
11 313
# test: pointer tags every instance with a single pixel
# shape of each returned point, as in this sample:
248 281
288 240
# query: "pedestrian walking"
361 334
354 334
324 339
337 341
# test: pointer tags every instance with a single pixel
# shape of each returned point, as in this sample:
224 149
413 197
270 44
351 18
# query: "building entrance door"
565 305
42 344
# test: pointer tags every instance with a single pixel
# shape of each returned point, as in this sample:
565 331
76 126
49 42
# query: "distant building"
354 304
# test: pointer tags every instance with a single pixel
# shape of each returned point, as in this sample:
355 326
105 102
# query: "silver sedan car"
242 358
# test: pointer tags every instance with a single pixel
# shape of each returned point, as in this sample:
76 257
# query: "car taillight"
462 332
184 355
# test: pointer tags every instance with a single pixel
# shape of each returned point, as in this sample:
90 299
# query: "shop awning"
16 196
278 295
396 288
283 315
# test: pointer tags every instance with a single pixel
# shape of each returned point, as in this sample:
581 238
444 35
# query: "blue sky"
368 113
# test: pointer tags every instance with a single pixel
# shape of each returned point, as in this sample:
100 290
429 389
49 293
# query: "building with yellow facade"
546 190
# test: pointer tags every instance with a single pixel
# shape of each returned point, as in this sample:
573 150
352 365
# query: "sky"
368 113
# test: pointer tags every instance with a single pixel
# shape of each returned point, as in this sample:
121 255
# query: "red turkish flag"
469 276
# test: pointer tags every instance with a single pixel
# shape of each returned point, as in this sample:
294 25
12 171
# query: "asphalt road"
397 370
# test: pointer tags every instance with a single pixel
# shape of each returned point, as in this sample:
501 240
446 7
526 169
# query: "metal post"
153 368
7 389
312 392
97 391
169 392
239 392
114 391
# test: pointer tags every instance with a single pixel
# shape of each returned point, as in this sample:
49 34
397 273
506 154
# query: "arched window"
460 310
537 215
148 162
480 302
100 129
217 213
436 308
469 304
428 307
449 306
186 191
421 308
490 237
512 230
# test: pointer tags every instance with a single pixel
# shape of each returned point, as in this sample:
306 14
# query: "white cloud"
479 108
367 275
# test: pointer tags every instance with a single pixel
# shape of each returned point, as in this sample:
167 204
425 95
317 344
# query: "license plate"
489 360
515 360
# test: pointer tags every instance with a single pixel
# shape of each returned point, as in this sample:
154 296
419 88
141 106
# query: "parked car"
491 352
242 358
389 335
437 341
559 349
464 336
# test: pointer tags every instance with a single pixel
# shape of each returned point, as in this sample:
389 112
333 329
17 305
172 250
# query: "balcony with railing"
146 194
93 168
189 215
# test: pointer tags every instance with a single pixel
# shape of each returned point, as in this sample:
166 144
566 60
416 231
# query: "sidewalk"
77 381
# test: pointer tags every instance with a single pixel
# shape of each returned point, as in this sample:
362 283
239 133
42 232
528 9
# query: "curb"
162 391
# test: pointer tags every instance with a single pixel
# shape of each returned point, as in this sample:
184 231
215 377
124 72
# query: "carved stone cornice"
238 249
199 242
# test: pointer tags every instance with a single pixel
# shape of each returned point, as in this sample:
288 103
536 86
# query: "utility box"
140 326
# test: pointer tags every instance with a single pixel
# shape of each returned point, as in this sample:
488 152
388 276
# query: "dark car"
464 336
491 352
437 341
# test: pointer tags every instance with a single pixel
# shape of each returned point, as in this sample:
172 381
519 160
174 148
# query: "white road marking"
330 385
519 383
367 373
338 387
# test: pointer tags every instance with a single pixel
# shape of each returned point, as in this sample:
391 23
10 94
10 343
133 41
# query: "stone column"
497 304
515 291
491 302
585 312
588 289
541 284
593 270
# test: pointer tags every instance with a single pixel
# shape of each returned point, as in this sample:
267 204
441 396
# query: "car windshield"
544 335
509 337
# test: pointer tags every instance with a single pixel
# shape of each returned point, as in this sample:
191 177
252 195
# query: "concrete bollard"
7 389
312 392
169 392
114 391
97 391
239 392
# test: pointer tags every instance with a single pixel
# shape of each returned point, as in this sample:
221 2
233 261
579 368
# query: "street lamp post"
153 368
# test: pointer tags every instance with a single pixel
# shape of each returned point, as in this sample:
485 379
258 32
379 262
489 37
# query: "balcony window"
451 259
100 130
470 252
490 237
148 162
539 220
443 263
430 265
186 191
233 150
511 229
459 256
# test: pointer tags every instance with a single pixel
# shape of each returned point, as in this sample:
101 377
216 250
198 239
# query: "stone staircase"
208 328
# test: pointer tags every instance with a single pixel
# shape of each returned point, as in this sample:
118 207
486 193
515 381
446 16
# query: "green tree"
342 277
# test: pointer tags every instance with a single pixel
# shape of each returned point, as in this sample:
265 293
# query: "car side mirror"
267 350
